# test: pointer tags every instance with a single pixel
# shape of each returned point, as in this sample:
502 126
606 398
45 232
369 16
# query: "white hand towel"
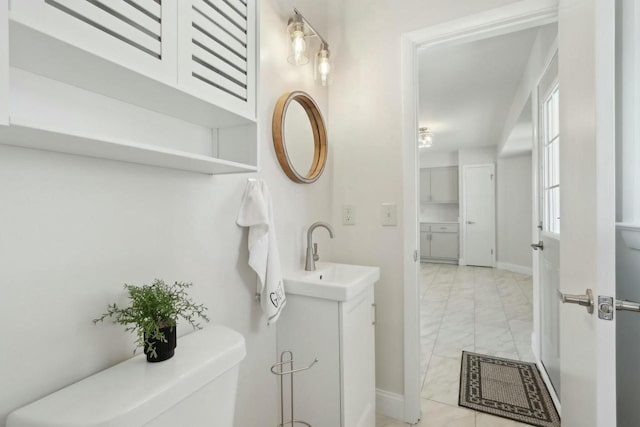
256 213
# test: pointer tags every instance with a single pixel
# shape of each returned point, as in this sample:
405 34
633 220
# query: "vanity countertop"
422 221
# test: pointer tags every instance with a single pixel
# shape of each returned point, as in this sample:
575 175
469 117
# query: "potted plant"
152 315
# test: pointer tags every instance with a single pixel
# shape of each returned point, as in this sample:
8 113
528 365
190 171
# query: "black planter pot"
164 350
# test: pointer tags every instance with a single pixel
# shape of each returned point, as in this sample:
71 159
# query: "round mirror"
299 137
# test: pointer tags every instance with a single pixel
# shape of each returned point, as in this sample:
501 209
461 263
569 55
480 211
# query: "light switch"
389 214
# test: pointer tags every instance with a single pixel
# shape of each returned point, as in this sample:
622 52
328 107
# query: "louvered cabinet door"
138 34
217 52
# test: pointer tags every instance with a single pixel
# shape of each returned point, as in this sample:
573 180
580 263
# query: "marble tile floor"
476 309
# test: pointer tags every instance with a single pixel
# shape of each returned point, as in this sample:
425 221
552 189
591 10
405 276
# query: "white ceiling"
466 90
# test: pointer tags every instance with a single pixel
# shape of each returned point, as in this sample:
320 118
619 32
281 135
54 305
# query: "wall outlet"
348 215
389 214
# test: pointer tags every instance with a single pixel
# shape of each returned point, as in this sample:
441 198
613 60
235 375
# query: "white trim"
390 404
547 382
515 268
411 175
537 217
510 18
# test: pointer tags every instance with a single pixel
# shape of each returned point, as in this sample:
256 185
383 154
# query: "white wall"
75 229
514 213
541 50
436 159
365 130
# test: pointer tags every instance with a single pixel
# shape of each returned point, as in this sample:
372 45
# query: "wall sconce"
425 137
299 31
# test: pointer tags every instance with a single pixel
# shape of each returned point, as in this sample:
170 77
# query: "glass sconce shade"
298 44
323 65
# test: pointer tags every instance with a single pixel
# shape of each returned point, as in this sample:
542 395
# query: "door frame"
518 16
463 214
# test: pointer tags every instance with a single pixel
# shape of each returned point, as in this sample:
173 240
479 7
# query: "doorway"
473 306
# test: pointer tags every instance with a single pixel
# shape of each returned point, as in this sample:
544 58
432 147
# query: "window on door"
551 163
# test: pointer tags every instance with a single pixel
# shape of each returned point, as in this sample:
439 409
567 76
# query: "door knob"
627 306
585 300
471 222
539 245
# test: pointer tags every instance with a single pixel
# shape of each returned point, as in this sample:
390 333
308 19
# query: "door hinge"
491 177
491 251
415 255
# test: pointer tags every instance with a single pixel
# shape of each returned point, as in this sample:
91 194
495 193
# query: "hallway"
475 309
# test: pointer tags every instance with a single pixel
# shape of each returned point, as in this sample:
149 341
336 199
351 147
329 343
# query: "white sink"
338 282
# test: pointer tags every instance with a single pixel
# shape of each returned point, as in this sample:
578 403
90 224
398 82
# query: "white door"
479 214
586 43
548 233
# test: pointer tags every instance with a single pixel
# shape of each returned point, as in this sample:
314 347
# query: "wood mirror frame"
319 137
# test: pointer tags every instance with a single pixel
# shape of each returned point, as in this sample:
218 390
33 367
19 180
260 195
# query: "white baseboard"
461 262
390 404
515 268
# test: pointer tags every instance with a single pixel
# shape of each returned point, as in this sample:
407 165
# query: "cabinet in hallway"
439 185
439 242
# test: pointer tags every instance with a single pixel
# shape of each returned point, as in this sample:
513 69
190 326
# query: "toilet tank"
197 387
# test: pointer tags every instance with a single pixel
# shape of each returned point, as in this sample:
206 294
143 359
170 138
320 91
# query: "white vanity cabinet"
339 391
190 60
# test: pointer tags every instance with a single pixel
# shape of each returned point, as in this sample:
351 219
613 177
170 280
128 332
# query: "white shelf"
131 152
67 88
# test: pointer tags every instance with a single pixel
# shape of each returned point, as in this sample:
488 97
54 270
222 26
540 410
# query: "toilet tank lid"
134 392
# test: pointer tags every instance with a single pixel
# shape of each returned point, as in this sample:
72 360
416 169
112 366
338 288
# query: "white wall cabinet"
192 60
439 185
425 185
339 391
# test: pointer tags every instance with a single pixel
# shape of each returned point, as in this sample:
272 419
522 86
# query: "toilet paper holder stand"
286 358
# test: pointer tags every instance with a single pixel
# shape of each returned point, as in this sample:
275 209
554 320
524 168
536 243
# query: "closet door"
217 52
137 34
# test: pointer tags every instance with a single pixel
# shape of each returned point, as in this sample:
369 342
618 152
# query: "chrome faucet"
312 254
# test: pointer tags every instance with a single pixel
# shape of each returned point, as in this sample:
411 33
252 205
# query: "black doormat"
506 388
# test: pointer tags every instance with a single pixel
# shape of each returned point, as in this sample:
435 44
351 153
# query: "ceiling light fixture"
425 137
300 30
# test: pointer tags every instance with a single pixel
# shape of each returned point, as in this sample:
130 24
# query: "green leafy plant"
153 307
